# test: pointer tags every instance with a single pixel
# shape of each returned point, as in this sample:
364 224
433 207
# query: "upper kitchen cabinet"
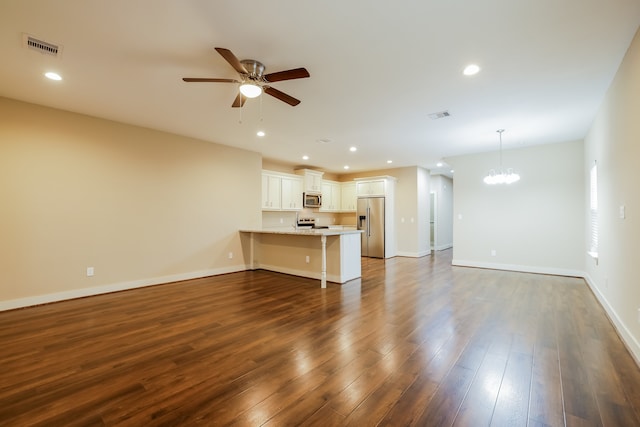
291 193
366 187
312 180
281 191
331 196
349 198
271 191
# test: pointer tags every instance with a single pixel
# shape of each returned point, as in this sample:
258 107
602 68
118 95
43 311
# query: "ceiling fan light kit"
253 82
250 90
501 176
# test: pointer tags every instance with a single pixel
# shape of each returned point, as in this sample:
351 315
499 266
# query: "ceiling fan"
253 81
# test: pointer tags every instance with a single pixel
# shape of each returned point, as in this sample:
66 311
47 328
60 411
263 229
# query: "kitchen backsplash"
288 218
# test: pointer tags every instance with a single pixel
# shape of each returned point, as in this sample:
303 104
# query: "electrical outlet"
307 259
230 255
90 271
622 212
281 220
493 252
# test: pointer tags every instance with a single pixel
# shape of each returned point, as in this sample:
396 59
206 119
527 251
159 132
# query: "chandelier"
501 176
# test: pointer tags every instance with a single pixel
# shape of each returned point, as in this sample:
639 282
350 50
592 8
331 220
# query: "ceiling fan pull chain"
260 108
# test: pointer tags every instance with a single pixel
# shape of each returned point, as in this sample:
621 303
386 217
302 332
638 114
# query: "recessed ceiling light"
52 76
389 161
346 166
305 157
260 133
471 70
352 149
439 164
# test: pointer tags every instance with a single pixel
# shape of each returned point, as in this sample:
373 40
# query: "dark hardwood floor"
414 342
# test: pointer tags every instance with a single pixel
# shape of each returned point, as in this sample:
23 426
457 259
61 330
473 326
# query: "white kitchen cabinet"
374 187
331 196
349 199
281 191
291 193
312 180
271 192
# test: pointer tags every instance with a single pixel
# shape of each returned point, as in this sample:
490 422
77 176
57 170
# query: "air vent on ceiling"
41 46
439 115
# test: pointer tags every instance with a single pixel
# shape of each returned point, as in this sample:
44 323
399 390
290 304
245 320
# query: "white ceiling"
378 69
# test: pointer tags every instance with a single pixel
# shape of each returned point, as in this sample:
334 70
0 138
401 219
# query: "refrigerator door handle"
368 221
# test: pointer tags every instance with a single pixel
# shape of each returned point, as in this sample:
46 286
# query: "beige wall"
536 224
614 142
140 206
412 211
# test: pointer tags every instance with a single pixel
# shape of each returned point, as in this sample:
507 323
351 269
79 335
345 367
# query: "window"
593 210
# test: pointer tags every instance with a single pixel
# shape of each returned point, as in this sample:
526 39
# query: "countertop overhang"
302 232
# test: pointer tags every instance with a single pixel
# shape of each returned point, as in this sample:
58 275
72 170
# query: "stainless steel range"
309 223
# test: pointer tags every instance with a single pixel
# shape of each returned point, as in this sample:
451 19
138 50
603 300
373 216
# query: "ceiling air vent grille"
439 115
41 45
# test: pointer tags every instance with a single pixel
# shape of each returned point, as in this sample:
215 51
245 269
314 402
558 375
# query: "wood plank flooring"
414 342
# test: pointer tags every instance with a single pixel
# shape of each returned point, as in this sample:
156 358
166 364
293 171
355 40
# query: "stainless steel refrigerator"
370 215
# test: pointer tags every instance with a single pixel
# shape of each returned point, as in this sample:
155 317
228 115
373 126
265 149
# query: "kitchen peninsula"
324 254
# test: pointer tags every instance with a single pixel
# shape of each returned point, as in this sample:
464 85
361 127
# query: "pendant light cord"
500 133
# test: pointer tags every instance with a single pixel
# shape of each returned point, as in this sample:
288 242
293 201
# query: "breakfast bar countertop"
301 231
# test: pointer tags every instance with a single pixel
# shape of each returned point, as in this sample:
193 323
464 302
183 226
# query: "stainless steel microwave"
312 200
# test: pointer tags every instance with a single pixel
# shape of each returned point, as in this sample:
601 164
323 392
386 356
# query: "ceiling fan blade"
296 73
232 60
281 96
239 102
197 79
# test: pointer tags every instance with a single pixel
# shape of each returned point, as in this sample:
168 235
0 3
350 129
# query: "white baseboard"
521 268
115 287
302 273
443 247
627 337
413 254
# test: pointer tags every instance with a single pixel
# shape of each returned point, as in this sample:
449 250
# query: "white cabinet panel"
312 180
271 192
371 188
349 198
291 193
281 191
331 196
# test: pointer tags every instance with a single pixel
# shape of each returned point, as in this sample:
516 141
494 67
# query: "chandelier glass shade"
500 176
250 89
